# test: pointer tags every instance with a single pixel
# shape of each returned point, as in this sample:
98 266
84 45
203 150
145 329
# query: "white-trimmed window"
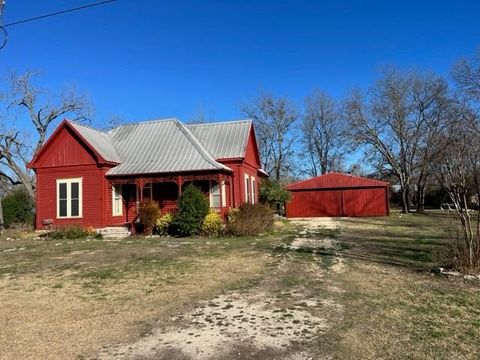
247 188
214 194
69 198
254 190
117 203
224 194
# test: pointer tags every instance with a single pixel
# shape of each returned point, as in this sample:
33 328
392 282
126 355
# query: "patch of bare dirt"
313 223
314 243
283 317
216 325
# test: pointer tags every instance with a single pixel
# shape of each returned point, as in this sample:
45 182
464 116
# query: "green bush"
70 232
274 194
18 208
193 206
250 220
148 214
163 224
212 224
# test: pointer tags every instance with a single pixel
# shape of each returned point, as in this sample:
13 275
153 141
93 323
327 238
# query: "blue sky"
149 59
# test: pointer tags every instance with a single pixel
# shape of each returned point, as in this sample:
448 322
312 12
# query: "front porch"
129 193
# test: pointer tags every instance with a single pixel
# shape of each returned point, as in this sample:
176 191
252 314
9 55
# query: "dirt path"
284 316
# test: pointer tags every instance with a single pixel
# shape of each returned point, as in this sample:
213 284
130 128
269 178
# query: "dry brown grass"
397 314
373 289
59 316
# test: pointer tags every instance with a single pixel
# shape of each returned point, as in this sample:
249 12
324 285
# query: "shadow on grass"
419 241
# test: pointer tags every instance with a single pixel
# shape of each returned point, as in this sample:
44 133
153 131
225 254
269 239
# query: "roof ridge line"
86 126
355 176
197 144
144 123
220 123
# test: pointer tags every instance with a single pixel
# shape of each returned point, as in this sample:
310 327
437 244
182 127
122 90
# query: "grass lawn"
368 294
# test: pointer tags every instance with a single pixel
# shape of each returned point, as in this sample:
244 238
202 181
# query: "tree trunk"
2 226
405 208
420 198
405 196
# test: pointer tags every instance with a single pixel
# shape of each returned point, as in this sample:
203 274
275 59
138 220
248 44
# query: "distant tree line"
415 127
393 127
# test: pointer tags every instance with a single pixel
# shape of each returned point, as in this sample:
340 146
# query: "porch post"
220 188
139 183
232 195
179 184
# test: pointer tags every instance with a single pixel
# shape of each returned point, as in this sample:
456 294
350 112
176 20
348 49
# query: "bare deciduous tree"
28 106
430 104
274 120
456 168
393 119
466 74
323 133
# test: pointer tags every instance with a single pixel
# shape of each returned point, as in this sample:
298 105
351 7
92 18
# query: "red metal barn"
336 194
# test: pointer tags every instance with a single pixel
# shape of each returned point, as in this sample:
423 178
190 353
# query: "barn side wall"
351 202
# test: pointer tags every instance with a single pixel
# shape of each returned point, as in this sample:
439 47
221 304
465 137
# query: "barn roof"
336 180
224 140
165 146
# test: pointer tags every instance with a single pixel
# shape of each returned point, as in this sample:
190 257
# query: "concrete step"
114 232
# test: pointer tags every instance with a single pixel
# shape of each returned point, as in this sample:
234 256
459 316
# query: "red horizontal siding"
93 195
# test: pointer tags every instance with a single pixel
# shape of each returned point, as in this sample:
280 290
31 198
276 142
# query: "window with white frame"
117 205
224 194
247 188
254 190
214 194
69 198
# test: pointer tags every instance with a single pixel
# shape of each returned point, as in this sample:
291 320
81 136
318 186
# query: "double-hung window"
214 194
247 188
254 190
117 206
69 198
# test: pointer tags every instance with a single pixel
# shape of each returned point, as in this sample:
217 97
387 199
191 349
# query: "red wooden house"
93 178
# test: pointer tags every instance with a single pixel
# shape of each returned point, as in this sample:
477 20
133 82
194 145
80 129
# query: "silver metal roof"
167 145
223 140
100 141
